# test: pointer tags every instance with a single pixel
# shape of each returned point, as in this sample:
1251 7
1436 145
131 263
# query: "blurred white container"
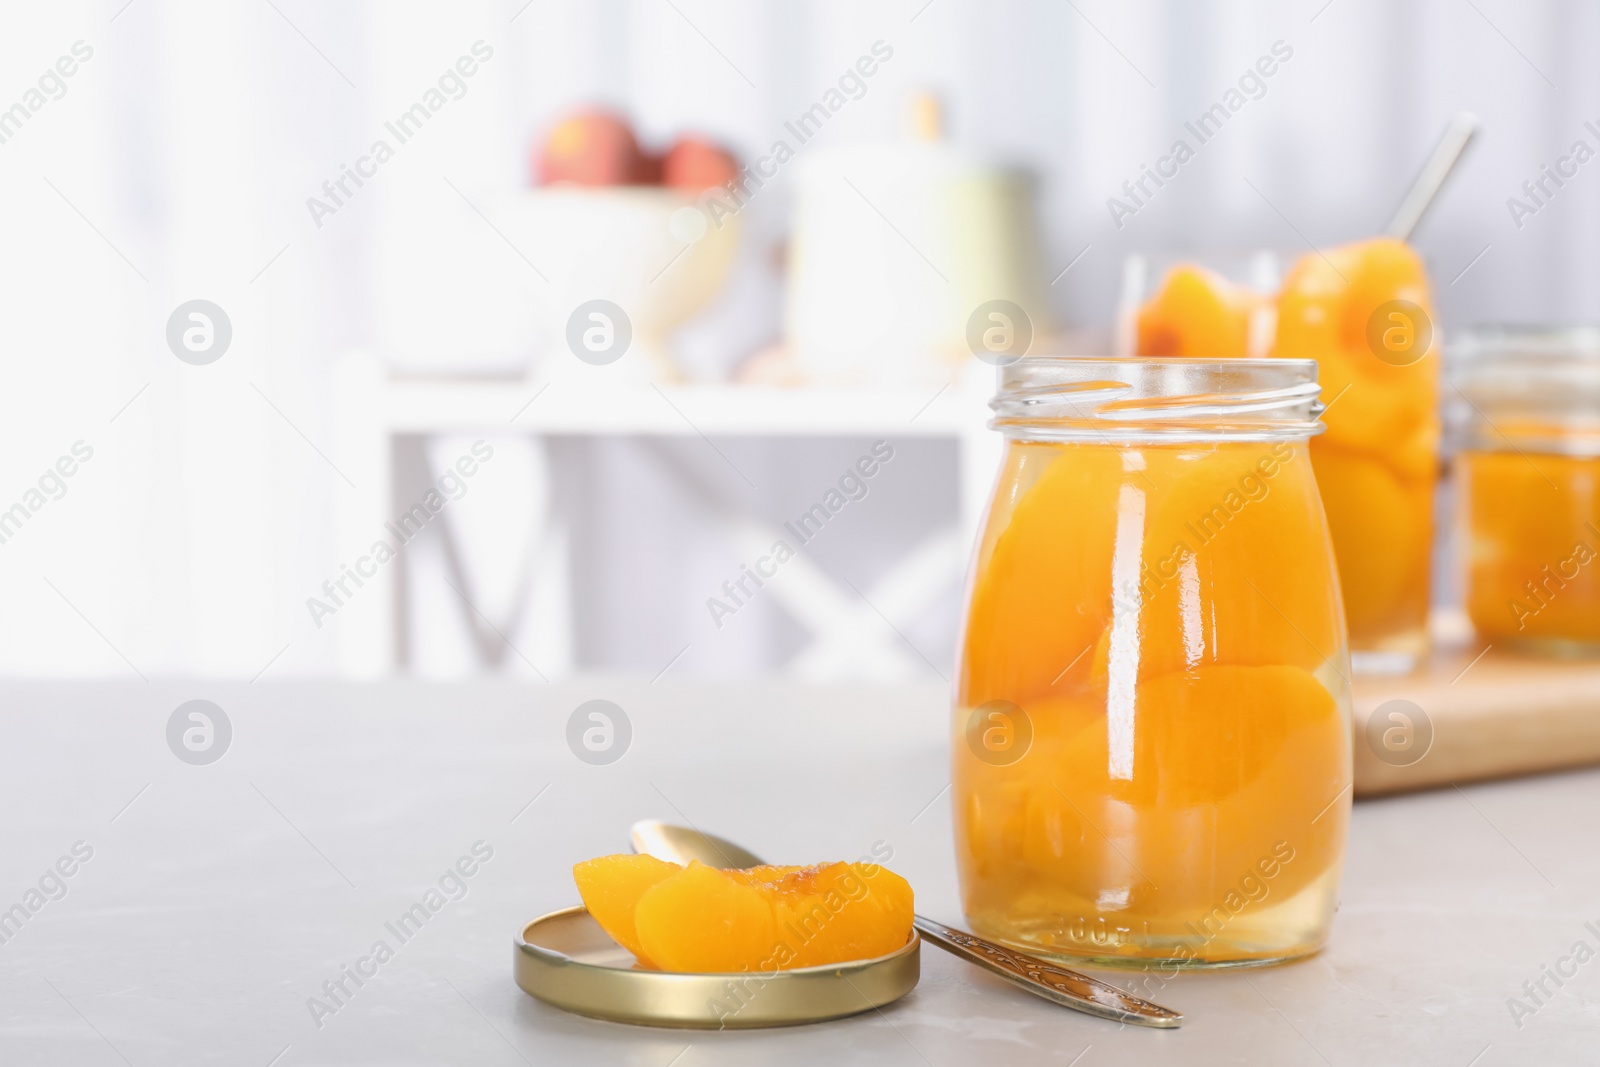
463 295
895 246
650 251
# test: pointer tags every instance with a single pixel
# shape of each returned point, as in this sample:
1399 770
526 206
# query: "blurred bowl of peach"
605 220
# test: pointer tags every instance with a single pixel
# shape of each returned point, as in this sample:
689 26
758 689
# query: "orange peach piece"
706 920
611 887
1200 518
1240 517
1162 802
1041 596
1323 314
1382 534
1533 543
1199 313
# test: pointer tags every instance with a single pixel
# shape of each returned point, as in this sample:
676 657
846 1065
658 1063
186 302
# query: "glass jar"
1151 754
1363 312
1525 430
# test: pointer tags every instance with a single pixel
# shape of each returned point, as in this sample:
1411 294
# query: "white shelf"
573 405
372 407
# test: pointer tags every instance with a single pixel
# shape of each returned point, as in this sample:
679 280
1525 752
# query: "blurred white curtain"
178 160
171 169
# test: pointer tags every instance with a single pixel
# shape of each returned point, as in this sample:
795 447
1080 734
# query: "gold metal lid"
565 959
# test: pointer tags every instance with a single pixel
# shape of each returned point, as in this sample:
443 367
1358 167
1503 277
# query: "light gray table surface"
219 898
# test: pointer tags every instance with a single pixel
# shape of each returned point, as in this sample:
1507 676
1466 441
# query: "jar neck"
1525 389
1136 400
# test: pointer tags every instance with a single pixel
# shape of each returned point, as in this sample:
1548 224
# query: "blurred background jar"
1219 305
1151 720
1525 430
1364 313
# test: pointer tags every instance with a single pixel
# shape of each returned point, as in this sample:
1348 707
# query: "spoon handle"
1067 988
1433 176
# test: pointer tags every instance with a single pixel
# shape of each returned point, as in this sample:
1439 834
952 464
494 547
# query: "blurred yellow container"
1526 422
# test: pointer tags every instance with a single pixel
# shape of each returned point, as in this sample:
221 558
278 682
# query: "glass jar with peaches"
1151 747
1525 430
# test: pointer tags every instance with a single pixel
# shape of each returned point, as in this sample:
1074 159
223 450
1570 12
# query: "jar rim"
1485 342
1131 399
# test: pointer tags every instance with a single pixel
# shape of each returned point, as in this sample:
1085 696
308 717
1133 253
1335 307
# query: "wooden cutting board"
1500 715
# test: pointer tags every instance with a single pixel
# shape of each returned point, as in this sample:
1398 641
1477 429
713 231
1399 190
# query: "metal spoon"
1445 156
678 844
